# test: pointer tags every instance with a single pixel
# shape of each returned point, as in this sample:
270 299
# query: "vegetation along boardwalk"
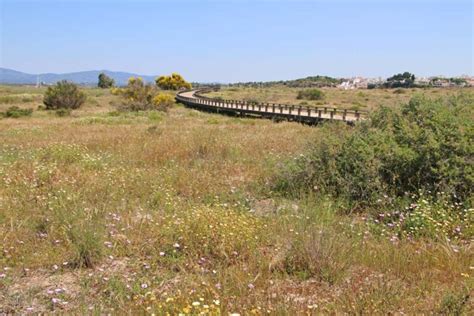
299 113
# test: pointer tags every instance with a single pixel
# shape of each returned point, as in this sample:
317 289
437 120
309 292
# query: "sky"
239 40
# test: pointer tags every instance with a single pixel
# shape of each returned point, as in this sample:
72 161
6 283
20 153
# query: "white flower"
144 286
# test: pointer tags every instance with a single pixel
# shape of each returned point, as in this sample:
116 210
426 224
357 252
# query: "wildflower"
176 245
162 253
195 304
144 286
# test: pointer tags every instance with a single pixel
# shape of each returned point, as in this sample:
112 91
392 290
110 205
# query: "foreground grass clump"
426 145
16 112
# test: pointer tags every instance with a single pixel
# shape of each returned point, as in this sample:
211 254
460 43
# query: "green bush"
426 145
310 94
399 91
16 112
63 95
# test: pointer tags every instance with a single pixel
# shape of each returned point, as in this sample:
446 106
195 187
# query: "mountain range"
10 76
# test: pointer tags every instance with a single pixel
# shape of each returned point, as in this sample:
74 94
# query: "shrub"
163 102
63 112
310 94
399 91
454 303
16 112
105 81
427 145
136 96
173 82
63 95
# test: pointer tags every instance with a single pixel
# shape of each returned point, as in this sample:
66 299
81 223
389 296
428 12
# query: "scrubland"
184 212
356 99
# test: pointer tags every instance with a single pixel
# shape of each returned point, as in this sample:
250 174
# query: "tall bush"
138 96
63 95
173 82
426 145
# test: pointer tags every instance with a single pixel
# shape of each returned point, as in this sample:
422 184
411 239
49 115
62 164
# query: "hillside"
10 76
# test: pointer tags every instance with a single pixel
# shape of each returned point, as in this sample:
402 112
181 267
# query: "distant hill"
9 76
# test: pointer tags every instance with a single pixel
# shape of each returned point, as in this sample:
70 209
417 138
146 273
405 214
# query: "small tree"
105 81
63 95
173 82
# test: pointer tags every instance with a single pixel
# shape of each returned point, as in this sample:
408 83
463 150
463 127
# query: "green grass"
141 212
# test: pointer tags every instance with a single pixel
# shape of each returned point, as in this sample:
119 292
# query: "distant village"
435 81
401 80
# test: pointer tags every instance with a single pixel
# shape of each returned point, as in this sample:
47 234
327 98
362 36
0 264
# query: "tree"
402 80
63 95
173 82
105 81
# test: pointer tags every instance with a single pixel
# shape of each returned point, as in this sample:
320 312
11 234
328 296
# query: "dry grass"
147 212
360 99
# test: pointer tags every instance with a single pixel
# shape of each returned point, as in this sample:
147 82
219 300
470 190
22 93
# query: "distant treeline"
308 82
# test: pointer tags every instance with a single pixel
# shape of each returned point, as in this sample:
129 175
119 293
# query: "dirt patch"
41 292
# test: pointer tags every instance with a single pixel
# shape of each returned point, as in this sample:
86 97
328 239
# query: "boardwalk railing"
196 99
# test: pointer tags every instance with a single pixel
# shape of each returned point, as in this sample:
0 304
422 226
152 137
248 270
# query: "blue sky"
228 41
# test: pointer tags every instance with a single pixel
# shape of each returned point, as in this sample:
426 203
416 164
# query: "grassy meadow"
356 99
161 213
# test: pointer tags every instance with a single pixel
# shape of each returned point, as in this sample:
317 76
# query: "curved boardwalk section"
306 114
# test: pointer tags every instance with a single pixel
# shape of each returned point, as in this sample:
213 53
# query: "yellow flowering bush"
173 82
162 101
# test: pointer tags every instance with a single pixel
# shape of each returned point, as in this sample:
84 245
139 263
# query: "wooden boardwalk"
306 114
